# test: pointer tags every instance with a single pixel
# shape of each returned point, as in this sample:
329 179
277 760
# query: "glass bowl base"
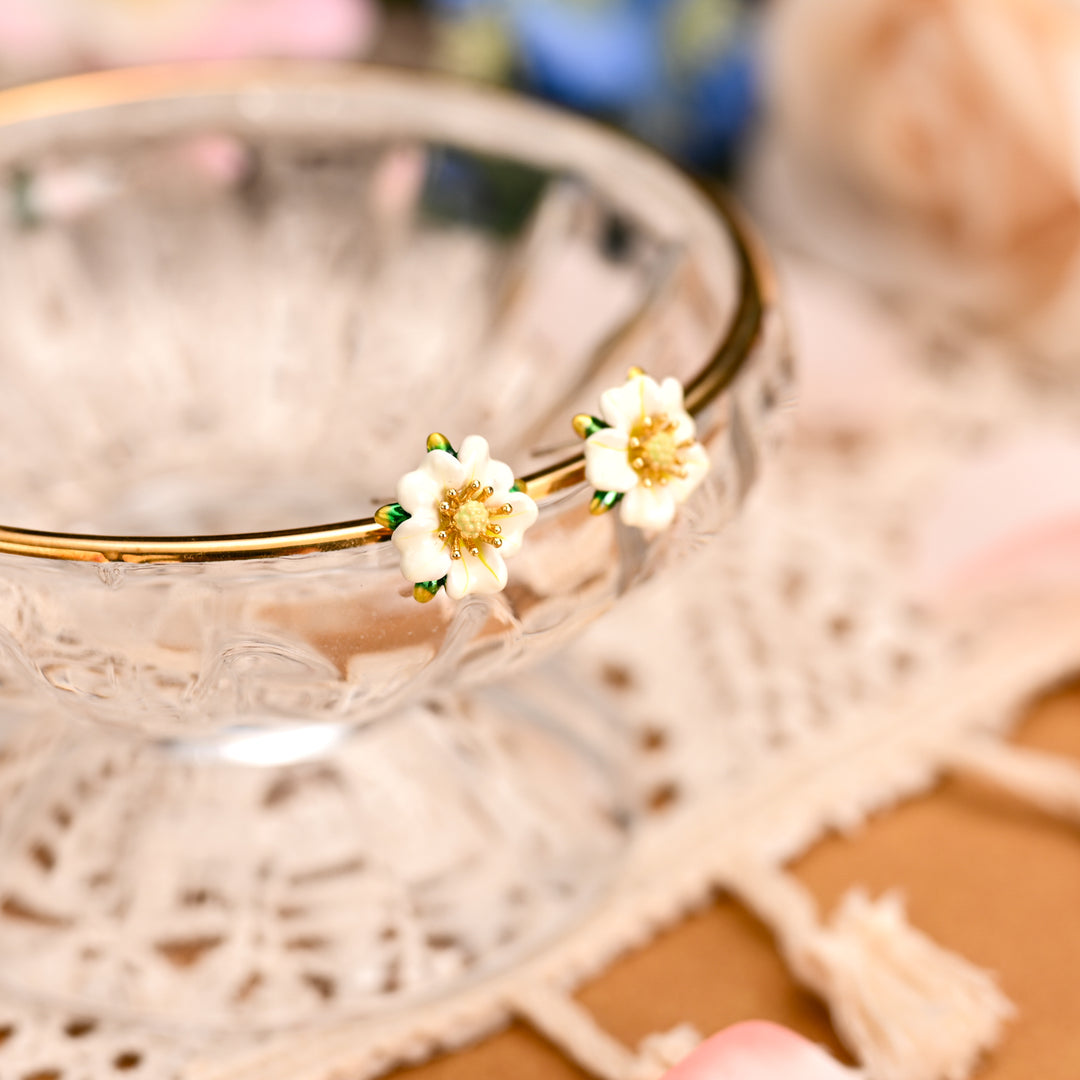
284 878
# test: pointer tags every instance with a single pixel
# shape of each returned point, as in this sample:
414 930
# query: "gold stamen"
496 542
496 529
456 553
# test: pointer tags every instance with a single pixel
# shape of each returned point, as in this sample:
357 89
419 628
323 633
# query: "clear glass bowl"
236 300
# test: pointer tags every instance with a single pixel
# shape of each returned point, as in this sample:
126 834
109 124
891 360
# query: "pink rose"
39 39
944 137
757 1050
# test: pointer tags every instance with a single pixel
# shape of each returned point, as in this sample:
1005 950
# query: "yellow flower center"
472 519
466 521
654 453
661 452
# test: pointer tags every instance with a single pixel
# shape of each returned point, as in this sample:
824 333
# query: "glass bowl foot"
280 879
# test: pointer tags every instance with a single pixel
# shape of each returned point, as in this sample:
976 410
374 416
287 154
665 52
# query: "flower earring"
457 519
642 456
461 514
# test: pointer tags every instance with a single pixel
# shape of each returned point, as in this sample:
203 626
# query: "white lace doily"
785 681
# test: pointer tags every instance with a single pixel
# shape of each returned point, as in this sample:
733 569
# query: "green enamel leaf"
391 515
423 591
603 501
437 441
22 197
586 425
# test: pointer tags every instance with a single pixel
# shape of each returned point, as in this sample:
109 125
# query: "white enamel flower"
464 522
648 454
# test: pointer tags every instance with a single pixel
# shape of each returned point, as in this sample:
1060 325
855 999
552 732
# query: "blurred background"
915 167
679 72
941 130
922 156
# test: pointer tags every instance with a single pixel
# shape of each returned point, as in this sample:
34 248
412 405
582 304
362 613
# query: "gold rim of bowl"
82 93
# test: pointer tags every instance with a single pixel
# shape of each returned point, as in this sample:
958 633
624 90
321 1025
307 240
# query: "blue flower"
599 57
680 73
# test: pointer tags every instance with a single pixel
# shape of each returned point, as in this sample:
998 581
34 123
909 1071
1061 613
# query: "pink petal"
397 182
1046 559
221 160
1007 519
757 1050
27 33
67 193
316 29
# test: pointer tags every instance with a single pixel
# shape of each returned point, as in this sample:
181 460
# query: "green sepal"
586 425
437 441
423 591
22 183
391 515
603 501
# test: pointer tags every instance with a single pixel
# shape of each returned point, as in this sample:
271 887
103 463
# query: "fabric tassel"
662 1052
1045 780
907 1008
572 1028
